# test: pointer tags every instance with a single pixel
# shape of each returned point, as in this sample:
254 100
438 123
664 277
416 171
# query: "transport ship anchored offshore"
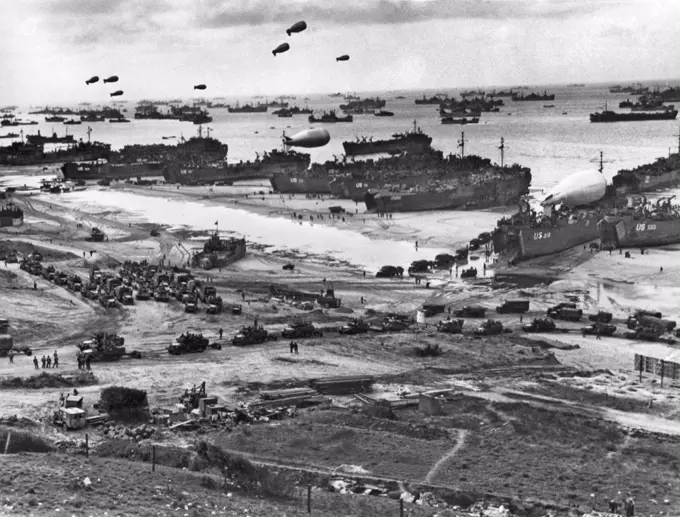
410 141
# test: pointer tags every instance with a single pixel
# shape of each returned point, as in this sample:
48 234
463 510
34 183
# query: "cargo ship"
11 215
248 108
329 118
641 224
197 150
475 184
219 252
533 97
112 171
432 100
635 116
54 139
31 154
414 141
275 162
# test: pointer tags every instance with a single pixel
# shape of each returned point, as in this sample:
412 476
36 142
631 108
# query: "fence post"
309 499
87 445
153 459
401 508
9 435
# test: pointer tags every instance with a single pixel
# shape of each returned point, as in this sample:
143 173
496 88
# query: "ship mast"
461 144
502 148
22 136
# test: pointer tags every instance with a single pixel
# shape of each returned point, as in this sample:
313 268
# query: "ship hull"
356 189
488 194
629 232
86 171
385 146
286 184
530 242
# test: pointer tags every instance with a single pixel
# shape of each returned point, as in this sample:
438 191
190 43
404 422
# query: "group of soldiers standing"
47 361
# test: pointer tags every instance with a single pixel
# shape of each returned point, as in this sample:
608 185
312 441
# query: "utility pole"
502 148
89 130
461 144
601 162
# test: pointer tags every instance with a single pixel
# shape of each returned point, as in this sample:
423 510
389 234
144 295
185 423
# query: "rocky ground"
551 418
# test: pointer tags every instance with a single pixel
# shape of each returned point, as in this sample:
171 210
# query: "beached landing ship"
219 252
285 163
641 224
414 141
529 233
475 184
112 171
11 215
28 154
663 173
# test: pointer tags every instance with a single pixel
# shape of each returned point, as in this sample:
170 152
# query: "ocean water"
553 145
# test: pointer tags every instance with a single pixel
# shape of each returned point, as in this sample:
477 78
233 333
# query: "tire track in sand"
462 433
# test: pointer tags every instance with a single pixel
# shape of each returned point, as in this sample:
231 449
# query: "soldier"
220 331
56 360
42 360
88 359
35 285
10 354
35 363
48 361
295 343
292 346
62 399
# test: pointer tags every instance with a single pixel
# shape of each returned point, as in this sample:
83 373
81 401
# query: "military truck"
451 326
601 317
490 328
143 293
214 305
513 307
103 347
644 334
645 320
469 311
124 295
565 313
601 329
299 329
395 323
470 272
96 235
188 343
354 326
69 418
540 325
191 303
252 335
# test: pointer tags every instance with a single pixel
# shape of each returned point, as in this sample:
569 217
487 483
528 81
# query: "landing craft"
200 87
92 80
297 27
112 79
581 188
117 93
344 57
308 138
283 47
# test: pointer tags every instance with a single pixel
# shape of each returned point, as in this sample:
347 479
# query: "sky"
162 48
